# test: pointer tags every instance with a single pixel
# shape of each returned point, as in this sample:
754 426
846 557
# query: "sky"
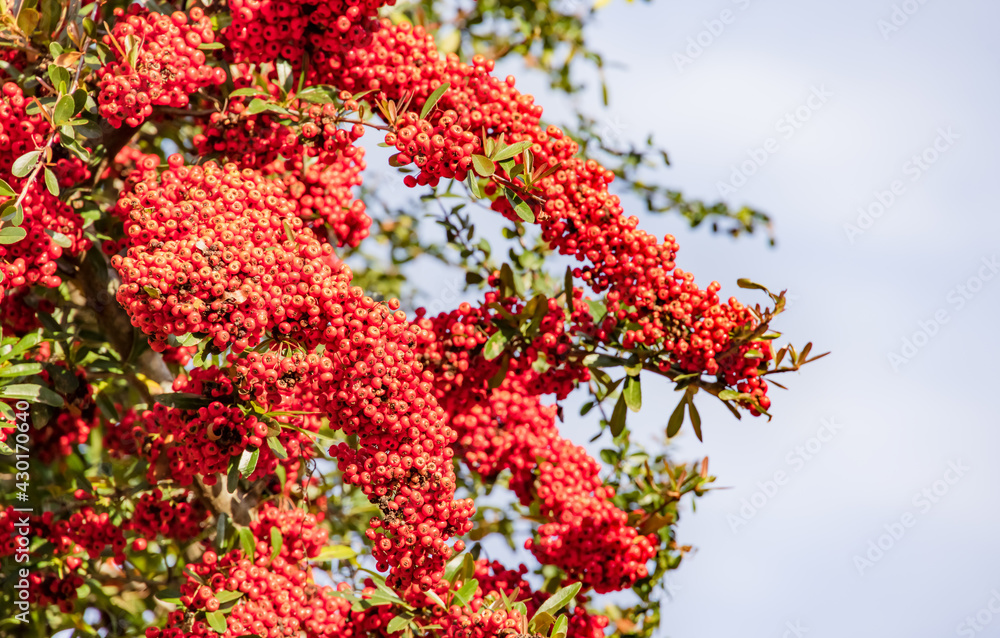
868 506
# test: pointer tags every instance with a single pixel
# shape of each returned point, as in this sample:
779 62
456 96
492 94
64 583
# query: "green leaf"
695 419
23 165
618 416
541 622
256 105
276 541
473 183
335 552
228 596
433 99
318 94
169 595
729 395
12 234
561 627
12 213
633 393
217 621
26 343
452 567
205 46
396 624
521 207
61 240
510 151
676 419
277 447
64 111
21 370
248 462
182 400
483 165
246 92
31 392
4 448
6 190
466 592
79 100
248 543
501 374
559 599
749 285
51 182
494 345
433 595
220 533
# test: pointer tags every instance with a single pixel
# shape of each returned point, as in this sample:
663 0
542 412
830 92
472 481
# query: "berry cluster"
183 444
320 188
276 597
17 317
157 62
263 30
53 228
95 532
577 214
177 518
197 264
49 587
303 537
508 428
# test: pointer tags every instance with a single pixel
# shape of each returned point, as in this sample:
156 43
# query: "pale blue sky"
887 96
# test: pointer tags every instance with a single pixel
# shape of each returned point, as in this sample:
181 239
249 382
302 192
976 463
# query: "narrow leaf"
676 419
51 182
466 592
433 99
633 393
618 416
21 370
695 419
248 543
335 552
559 599
276 542
511 151
31 392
